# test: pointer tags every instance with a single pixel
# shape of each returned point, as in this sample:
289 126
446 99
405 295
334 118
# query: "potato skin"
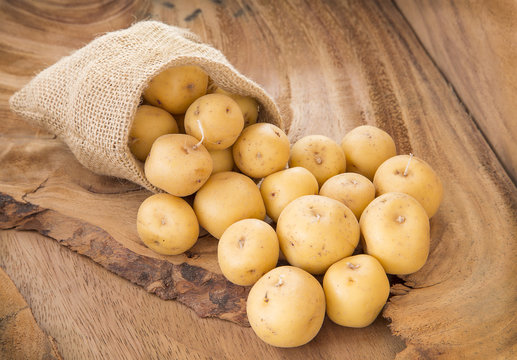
396 232
174 89
321 155
247 250
222 160
316 231
226 198
177 165
356 289
286 307
261 150
167 224
220 118
180 120
247 104
150 123
282 187
366 148
420 181
353 190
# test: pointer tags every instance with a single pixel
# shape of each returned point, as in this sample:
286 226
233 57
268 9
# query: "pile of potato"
324 198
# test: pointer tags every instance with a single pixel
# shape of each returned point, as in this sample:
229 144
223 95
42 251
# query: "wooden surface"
474 44
331 66
20 335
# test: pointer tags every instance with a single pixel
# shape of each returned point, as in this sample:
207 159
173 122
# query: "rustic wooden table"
423 71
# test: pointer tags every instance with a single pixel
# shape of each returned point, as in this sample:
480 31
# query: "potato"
247 250
316 231
226 198
222 159
247 104
356 289
396 232
180 120
322 156
353 190
216 120
286 307
420 181
178 164
261 149
282 187
150 123
174 89
167 224
366 147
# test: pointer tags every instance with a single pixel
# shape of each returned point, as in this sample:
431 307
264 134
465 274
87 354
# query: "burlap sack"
89 98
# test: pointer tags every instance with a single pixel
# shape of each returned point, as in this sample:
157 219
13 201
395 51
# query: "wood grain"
331 65
208 294
95 314
20 335
474 43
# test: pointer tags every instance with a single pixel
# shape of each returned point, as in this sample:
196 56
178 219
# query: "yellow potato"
322 156
247 250
216 119
247 104
420 181
286 307
226 198
395 229
282 187
316 231
261 149
356 289
174 89
150 123
222 159
353 190
180 120
366 147
167 224
178 164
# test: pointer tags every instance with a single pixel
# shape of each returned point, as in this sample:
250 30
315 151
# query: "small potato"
178 164
222 159
366 147
174 89
396 232
167 224
316 231
286 307
282 187
353 190
261 149
322 156
150 123
216 119
247 250
356 289
247 104
420 181
226 198
180 120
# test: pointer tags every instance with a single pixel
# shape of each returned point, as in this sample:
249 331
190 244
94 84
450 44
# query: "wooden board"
474 44
20 335
331 66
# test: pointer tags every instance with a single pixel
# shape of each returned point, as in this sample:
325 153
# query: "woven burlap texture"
89 99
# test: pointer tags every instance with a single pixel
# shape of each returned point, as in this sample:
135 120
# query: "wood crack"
457 96
39 187
12 315
208 294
